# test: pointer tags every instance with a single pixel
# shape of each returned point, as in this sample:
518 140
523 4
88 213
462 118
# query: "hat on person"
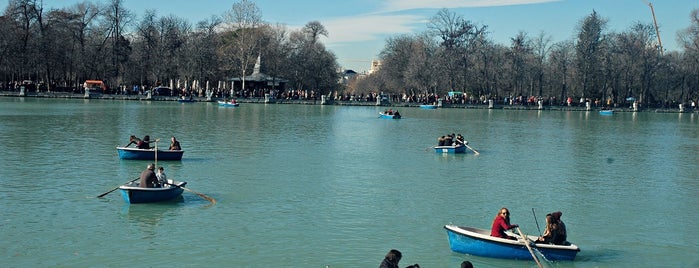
557 215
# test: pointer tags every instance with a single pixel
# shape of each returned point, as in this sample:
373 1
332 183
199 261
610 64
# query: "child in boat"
162 178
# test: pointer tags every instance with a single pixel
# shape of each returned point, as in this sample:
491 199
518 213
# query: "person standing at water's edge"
501 223
148 178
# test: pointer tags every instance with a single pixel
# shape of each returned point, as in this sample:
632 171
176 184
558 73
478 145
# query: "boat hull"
475 241
460 149
227 104
389 116
428 106
148 154
606 112
133 194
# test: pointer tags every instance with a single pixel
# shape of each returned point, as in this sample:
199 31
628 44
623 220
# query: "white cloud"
400 5
384 22
369 27
351 35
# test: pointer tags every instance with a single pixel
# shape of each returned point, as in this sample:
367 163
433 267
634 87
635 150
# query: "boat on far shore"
428 106
606 112
389 116
228 103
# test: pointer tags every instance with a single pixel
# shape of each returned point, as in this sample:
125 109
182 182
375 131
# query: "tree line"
455 54
61 48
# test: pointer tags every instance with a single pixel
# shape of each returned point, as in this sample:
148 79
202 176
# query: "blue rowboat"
606 112
478 242
228 104
134 194
454 149
389 116
148 154
428 106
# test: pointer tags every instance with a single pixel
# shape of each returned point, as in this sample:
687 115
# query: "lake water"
334 186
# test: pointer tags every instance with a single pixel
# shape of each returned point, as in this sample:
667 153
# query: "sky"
358 29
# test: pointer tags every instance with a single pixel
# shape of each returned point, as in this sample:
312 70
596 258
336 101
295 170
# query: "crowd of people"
451 140
555 232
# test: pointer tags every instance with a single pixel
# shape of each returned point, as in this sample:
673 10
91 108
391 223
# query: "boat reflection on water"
152 213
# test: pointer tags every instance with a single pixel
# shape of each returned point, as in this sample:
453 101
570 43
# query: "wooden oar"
469 147
213 201
112 190
156 154
526 242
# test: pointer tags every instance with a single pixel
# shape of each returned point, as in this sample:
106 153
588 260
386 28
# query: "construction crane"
657 31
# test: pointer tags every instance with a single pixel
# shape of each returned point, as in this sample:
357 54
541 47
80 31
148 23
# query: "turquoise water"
317 186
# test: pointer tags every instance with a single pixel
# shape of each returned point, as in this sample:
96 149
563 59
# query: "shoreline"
66 95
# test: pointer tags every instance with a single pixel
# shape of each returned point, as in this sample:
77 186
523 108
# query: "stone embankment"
66 95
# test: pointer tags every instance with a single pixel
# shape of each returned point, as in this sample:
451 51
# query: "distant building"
258 80
375 66
347 76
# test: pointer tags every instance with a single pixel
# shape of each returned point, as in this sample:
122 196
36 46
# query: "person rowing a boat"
145 143
148 177
460 140
133 140
501 223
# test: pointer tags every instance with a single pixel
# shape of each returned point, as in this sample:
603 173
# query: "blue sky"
358 28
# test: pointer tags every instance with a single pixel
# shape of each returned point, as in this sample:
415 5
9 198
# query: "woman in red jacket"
501 223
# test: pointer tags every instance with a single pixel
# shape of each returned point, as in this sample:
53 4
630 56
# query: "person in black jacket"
148 178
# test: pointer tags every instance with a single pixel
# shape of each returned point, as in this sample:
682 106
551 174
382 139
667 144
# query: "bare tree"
117 19
561 65
689 61
459 38
241 45
314 66
541 48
